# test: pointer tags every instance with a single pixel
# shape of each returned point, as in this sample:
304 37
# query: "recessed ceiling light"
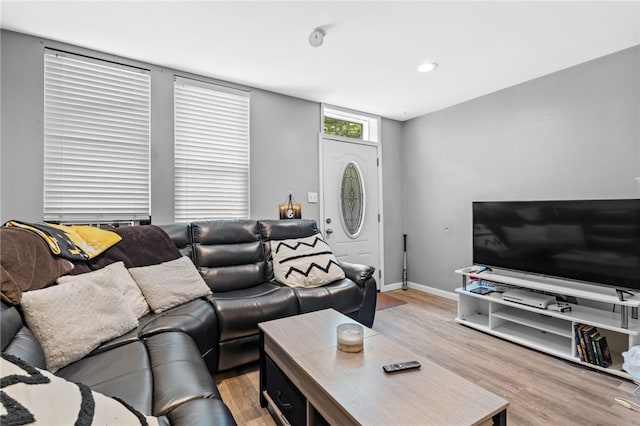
430 66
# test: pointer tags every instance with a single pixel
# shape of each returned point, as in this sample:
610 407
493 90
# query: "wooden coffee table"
304 379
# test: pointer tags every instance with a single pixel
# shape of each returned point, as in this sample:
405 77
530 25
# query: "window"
350 124
96 140
211 151
337 127
352 201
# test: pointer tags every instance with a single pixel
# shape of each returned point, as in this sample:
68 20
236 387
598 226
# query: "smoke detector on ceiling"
316 38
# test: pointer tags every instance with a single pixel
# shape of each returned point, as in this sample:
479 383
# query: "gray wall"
284 153
393 207
569 135
22 128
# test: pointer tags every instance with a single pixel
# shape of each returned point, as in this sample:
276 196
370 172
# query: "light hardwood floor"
541 389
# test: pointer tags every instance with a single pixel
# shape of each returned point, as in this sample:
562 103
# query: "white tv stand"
550 331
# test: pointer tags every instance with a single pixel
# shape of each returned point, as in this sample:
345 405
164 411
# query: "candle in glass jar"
350 337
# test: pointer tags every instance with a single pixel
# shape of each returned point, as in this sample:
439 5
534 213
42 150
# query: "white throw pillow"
35 396
305 262
71 320
122 281
170 284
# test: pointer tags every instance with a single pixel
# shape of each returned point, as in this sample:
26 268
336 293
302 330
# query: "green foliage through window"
349 129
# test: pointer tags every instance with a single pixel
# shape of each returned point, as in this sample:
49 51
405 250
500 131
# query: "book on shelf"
591 346
603 348
582 353
592 339
588 348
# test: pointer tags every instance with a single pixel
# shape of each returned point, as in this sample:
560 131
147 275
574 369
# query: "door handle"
329 231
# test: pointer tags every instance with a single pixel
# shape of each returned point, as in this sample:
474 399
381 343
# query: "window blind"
211 151
96 140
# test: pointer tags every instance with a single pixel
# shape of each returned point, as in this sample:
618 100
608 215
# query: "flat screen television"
594 241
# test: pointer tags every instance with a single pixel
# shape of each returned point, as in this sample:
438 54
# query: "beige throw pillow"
305 262
170 284
71 320
121 280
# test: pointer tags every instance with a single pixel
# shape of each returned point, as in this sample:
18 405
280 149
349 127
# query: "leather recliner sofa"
234 258
164 366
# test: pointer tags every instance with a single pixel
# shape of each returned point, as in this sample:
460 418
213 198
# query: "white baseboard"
422 288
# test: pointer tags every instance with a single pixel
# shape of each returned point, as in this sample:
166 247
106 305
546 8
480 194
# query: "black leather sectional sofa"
164 367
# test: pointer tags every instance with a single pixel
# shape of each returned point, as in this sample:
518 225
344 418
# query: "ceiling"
371 51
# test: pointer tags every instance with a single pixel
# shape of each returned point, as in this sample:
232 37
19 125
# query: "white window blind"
96 140
211 151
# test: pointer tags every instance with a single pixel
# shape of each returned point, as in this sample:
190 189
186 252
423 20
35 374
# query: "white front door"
350 195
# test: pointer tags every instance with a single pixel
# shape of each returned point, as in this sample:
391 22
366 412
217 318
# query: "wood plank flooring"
541 389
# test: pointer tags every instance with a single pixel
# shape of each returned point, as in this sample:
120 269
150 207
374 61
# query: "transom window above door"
349 124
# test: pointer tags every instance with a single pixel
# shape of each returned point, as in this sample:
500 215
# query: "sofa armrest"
202 411
362 275
357 273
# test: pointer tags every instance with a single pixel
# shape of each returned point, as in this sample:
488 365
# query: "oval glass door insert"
352 199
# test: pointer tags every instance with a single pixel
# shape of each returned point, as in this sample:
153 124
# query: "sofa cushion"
26 263
286 229
170 283
305 262
31 395
228 253
71 320
121 280
130 336
124 372
240 311
223 231
229 278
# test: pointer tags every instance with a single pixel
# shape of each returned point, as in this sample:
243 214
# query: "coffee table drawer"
288 399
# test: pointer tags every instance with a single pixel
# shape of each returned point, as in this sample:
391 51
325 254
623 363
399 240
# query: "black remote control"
401 366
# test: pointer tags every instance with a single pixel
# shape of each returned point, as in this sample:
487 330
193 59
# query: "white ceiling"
371 51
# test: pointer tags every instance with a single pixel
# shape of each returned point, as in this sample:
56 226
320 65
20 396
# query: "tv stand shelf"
549 331
553 285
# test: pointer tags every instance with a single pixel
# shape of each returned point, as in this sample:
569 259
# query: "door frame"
322 225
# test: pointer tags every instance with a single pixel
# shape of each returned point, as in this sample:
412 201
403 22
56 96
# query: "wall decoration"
290 210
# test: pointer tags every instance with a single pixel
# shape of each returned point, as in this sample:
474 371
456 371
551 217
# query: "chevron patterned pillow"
305 262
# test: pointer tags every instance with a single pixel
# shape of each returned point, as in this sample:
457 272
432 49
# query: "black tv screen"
597 241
